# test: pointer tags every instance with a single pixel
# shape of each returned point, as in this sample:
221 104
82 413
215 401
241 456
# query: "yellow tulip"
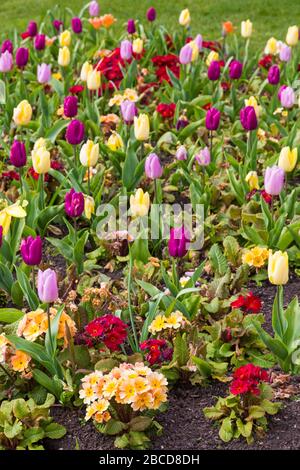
22 113
115 142
64 56
65 38
185 18
288 159
85 69
137 46
89 206
94 80
141 127
271 46
292 36
139 203
6 214
41 142
252 180
246 28
195 53
41 160
278 268
212 56
252 101
89 154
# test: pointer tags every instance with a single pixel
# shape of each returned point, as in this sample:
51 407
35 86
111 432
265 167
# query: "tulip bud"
185 55
70 106
85 69
131 26
287 97
32 29
288 159
141 127
246 29
31 250
139 203
65 38
212 56
89 206
7 45
41 160
274 75
248 118
57 25
178 242
64 56
47 286
126 50
76 25
18 154
115 142
22 56
137 46
22 113
185 18
181 153
278 268
94 9
252 180
203 157
128 110
212 119
151 14
89 154
214 71
74 203
235 69
285 53
253 102
271 47
43 73
94 80
274 180
292 36
75 132
6 62
153 168
199 42
40 42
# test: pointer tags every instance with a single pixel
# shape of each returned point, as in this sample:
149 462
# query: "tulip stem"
49 329
21 181
89 181
75 156
41 189
211 142
33 279
129 302
174 272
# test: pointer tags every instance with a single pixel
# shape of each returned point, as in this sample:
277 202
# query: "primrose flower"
256 257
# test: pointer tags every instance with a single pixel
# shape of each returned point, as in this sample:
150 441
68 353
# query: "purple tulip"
32 29
199 42
248 118
128 110
58 25
203 157
285 53
75 132
126 50
287 97
74 203
43 73
18 154
185 55
181 153
1 235
31 250
214 71
131 26
181 123
153 168
76 25
22 56
212 119
40 42
274 75
47 286
274 180
70 106
178 242
6 62
7 45
94 9
235 69
151 14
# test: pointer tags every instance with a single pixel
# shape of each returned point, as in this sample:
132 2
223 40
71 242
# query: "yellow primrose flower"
89 206
93 79
22 113
252 101
185 17
19 361
41 160
130 94
65 38
137 46
89 154
57 76
174 320
246 29
64 56
142 402
271 46
158 324
141 127
139 203
116 100
15 210
252 180
212 56
292 36
256 257
278 268
85 69
115 142
288 159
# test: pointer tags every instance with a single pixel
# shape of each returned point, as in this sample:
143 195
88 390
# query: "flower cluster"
174 321
157 351
135 385
17 360
163 63
108 329
256 257
246 379
249 303
167 111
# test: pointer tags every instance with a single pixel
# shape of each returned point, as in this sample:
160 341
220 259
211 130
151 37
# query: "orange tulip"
227 27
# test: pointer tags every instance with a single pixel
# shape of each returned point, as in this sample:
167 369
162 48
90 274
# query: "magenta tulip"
178 242
212 119
18 154
74 203
31 250
248 118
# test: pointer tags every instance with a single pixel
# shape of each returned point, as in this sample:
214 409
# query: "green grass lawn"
270 17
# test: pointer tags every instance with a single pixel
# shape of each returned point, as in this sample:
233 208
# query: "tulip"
181 123
212 119
139 203
76 25
151 14
41 160
43 73
115 142
274 75
22 113
287 97
18 154
131 26
227 28
89 206
74 203
274 180
40 143
252 180
94 80
57 24
181 153
6 214
47 286
7 45
126 50
141 127
40 42
214 71
178 242
211 57
75 132
70 106
32 29
6 62
292 36
185 18
153 168
185 55
203 157
278 268
271 47
246 29
288 159
65 38
285 53
253 102
248 118
128 110
89 154
283 87
235 69
22 56
137 46
199 42
64 56
85 69
31 250
94 9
